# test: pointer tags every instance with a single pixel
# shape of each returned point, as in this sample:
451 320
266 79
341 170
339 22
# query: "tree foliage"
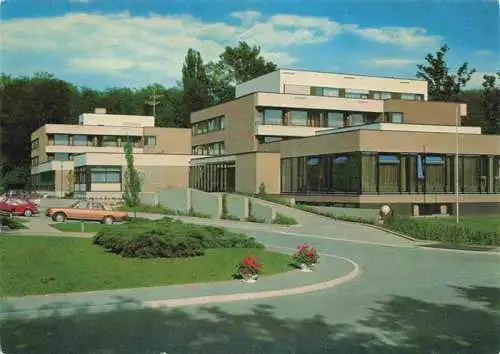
132 186
195 84
490 101
443 85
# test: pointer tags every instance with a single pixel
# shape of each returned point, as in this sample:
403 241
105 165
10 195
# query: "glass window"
105 175
357 95
113 176
397 117
269 139
273 116
109 141
330 92
357 119
298 118
335 119
80 140
150 140
60 156
386 95
317 91
389 173
408 96
61 139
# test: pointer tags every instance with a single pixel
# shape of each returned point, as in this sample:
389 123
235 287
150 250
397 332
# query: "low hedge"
444 232
168 238
282 219
11 223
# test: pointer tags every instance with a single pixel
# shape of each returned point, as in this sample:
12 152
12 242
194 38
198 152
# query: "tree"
236 65
490 101
195 86
132 182
443 85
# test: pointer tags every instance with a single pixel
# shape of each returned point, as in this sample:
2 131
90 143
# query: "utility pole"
153 101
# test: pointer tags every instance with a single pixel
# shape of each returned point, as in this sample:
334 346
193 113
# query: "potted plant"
306 257
248 269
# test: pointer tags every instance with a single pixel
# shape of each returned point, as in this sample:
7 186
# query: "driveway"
408 300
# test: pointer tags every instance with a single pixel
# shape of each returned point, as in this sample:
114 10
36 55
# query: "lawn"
76 226
488 223
43 265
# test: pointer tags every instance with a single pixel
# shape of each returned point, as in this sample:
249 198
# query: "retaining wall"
175 199
237 205
263 211
369 214
206 203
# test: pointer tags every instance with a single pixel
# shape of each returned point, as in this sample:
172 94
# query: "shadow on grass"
400 325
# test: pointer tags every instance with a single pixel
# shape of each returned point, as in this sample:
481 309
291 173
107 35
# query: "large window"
80 140
382 95
105 175
61 156
358 94
325 91
150 140
61 139
335 119
411 97
389 173
209 125
273 116
297 118
35 144
109 141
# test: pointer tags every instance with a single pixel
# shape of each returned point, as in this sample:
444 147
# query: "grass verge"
162 210
281 219
44 265
76 226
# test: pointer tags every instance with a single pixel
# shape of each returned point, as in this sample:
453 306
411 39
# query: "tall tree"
195 85
132 180
443 85
490 101
236 65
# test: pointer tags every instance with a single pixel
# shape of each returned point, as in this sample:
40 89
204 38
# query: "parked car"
87 210
18 206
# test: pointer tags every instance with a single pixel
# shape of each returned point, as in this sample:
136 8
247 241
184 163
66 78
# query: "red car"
18 206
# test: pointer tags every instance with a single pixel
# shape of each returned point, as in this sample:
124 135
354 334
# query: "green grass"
284 220
44 265
76 226
162 210
487 223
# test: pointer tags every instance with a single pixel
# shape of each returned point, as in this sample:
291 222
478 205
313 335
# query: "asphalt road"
408 300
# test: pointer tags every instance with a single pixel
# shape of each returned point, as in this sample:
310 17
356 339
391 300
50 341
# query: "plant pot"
250 278
306 268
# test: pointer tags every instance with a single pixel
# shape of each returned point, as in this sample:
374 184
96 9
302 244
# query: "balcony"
286 130
79 149
318 102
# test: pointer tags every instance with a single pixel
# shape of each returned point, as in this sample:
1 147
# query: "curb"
380 228
204 300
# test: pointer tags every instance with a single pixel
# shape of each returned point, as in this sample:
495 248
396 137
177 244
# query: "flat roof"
350 74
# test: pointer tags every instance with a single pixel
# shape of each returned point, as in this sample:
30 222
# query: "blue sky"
106 43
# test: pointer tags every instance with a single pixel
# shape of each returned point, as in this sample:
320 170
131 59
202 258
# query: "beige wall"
430 142
252 169
41 135
169 141
268 171
321 144
163 177
421 112
238 134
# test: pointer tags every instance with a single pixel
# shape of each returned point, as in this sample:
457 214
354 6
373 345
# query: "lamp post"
62 166
153 102
457 202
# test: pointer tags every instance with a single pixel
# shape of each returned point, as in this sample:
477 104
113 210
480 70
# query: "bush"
284 220
252 218
168 238
11 223
153 209
443 232
333 216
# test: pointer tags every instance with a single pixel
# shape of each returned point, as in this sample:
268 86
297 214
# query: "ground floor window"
105 175
213 177
383 173
44 181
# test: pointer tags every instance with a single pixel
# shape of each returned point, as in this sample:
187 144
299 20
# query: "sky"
134 43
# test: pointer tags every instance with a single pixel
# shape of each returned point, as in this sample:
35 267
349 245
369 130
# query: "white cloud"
484 53
392 62
403 36
476 80
142 49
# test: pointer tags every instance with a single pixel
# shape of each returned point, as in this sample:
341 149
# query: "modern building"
88 159
341 139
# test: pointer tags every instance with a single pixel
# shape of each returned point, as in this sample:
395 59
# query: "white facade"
99 159
300 82
116 120
420 128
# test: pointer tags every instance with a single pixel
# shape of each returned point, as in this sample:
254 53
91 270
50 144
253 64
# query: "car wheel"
28 212
108 220
59 217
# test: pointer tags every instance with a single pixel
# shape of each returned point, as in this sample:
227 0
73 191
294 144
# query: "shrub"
252 218
443 232
306 254
248 267
168 238
11 223
284 220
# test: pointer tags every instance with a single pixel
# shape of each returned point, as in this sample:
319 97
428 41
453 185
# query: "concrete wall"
263 211
149 199
369 214
175 199
237 205
206 203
